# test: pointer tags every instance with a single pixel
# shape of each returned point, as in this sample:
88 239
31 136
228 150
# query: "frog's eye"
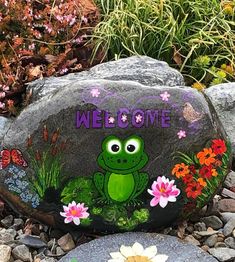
132 146
114 146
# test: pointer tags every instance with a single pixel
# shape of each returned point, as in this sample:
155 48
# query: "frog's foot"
134 202
103 201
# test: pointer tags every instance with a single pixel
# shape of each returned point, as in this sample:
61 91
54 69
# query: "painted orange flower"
180 170
206 157
214 172
202 182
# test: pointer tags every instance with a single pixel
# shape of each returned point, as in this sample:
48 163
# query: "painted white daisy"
137 253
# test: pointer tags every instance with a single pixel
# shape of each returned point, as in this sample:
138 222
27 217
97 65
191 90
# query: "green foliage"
80 190
190 35
47 173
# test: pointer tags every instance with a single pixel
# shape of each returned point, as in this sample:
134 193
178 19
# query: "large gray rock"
4 126
176 250
142 69
223 99
130 143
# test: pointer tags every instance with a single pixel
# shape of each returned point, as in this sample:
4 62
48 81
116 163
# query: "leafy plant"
80 190
190 35
38 39
47 165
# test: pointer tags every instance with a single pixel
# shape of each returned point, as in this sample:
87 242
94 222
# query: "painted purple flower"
181 134
164 191
165 96
95 92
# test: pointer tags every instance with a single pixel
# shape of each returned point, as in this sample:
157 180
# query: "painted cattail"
38 156
55 136
45 133
29 141
54 150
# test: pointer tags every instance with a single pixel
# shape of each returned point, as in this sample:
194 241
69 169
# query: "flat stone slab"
100 249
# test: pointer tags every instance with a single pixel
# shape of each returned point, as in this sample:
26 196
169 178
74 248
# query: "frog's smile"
123 169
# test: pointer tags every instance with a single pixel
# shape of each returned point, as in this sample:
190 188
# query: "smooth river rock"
109 156
100 249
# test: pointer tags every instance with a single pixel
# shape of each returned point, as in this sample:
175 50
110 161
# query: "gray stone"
5 253
230 242
66 242
226 205
229 227
211 241
18 223
48 259
191 240
213 222
176 250
8 235
220 244
200 226
141 69
226 216
230 180
22 252
59 251
222 97
32 241
228 193
7 221
206 233
222 253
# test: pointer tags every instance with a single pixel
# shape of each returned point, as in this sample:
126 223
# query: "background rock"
223 99
141 69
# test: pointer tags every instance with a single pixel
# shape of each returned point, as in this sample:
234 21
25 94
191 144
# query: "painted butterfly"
13 156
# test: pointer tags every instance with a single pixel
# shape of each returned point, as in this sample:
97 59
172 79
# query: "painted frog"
122 161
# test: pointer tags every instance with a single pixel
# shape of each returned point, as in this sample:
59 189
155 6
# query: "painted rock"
110 156
150 247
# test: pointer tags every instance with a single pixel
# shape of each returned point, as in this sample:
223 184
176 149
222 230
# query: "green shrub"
191 35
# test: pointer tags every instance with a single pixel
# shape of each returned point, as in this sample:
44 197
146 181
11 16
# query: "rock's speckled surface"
100 249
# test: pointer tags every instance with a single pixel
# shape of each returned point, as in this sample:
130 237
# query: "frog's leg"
98 179
141 182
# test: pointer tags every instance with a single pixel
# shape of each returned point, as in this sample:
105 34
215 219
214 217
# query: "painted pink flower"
95 92
165 96
181 134
164 191
111 120
138 118
124 118
74 212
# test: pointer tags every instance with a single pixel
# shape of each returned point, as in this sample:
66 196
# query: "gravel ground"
213 230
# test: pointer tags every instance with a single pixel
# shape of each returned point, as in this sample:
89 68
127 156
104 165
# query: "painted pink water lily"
164 191
74 212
